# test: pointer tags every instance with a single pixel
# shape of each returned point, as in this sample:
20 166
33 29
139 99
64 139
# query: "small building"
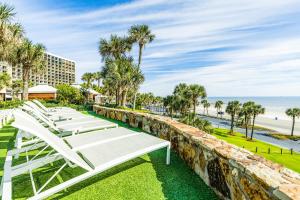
91 92
42 92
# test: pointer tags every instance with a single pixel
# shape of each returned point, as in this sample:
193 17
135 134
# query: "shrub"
193 120
67 94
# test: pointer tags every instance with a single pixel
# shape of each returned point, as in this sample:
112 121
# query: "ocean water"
275 106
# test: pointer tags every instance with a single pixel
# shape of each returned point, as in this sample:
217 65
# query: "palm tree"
206 106
255 110
142 35
293 112
168 104
204 102
197 91
97 77
183 98
31 57
11 34
137 79
88 78
246 112
114 48
233 108
218 106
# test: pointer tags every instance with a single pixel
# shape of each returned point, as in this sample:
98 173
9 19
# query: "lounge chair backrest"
39 116
34 106
30 125
45 109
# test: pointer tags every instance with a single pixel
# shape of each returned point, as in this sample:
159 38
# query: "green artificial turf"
238 139
147 177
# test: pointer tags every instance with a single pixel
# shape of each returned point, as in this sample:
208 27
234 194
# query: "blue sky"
232 47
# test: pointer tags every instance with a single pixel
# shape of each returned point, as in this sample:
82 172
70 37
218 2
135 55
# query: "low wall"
232 172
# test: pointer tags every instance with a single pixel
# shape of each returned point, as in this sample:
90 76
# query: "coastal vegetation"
263 149
233 108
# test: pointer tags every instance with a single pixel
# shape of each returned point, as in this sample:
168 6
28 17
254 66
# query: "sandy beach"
282 124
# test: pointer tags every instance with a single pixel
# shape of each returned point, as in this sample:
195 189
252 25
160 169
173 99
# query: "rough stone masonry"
233 173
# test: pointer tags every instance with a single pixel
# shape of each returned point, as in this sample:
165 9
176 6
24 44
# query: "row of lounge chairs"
79 140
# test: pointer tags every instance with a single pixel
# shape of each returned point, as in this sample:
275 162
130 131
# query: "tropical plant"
4 80
255 110
246 113
233 108
218 106
114 48
294 113
197 91
97 77
88 78
31 57
141 34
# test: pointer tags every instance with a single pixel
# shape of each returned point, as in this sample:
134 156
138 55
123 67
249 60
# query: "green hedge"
10 104
56 103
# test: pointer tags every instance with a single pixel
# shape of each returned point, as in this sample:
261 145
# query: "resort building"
42 92
58 70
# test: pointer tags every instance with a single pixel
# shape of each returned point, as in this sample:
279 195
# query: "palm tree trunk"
25 83
293 126
134 100
117 97
124 96
252 128
246 124
140 54
231 125
194 107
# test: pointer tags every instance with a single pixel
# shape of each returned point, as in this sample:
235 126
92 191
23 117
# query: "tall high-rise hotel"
57 70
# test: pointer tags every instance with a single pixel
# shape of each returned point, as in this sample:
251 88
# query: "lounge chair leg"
168 154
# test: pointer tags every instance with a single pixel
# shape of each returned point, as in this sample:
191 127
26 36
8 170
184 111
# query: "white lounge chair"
99 151
57 116
54 109
78 127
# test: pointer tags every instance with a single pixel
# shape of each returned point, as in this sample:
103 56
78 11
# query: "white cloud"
232 47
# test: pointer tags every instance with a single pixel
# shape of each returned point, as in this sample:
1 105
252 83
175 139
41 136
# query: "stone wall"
232 172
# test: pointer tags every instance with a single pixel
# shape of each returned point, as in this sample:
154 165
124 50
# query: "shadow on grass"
179 182
7 143
23 183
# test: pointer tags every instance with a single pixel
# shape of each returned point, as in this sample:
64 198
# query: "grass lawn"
238 139
147 177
